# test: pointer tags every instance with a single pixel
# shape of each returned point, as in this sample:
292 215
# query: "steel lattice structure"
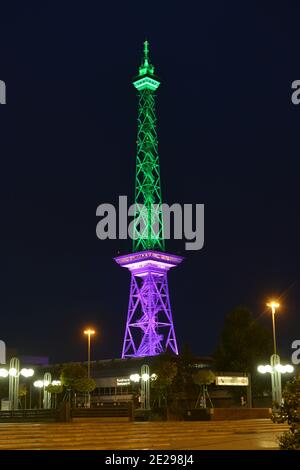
149 327
148 223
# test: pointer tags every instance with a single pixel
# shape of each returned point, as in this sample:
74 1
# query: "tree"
184 388
23 393
203 378
165 369
22 390
71 373
290 412
54 390
244 343
74 378
186 363
84 385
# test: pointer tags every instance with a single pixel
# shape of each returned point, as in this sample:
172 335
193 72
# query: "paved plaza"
120 435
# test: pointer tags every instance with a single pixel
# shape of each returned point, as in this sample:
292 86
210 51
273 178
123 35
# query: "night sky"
228 137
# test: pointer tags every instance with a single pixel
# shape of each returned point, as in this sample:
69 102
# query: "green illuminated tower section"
148 222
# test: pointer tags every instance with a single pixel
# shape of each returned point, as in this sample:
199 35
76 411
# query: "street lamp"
27 372
42 384
89 332
13 374
134 378
273 306
39 384
46 394
276 368
145 378
287 369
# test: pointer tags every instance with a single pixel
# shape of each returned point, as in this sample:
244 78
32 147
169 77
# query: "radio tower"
149 327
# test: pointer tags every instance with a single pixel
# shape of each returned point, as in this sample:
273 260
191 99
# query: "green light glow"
146 82
146 67
148 223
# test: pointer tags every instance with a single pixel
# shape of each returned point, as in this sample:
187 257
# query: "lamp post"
13 391
42 384
145 378
275 369
47 395
39 384
145 392
275 360
273 306
89 332
13 373
55 383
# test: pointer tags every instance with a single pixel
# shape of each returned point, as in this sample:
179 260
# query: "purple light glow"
149 327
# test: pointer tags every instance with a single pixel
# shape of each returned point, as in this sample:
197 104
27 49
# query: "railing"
65 414
117 409
28 415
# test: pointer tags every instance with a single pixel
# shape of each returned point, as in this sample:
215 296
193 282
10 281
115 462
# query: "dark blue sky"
229 138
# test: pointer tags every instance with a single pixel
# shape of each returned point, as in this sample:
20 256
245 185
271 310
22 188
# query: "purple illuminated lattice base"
149 327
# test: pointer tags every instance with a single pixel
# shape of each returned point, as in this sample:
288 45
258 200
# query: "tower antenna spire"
146 52
146 68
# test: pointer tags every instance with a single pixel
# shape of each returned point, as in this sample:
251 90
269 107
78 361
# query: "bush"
290 440
290 412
